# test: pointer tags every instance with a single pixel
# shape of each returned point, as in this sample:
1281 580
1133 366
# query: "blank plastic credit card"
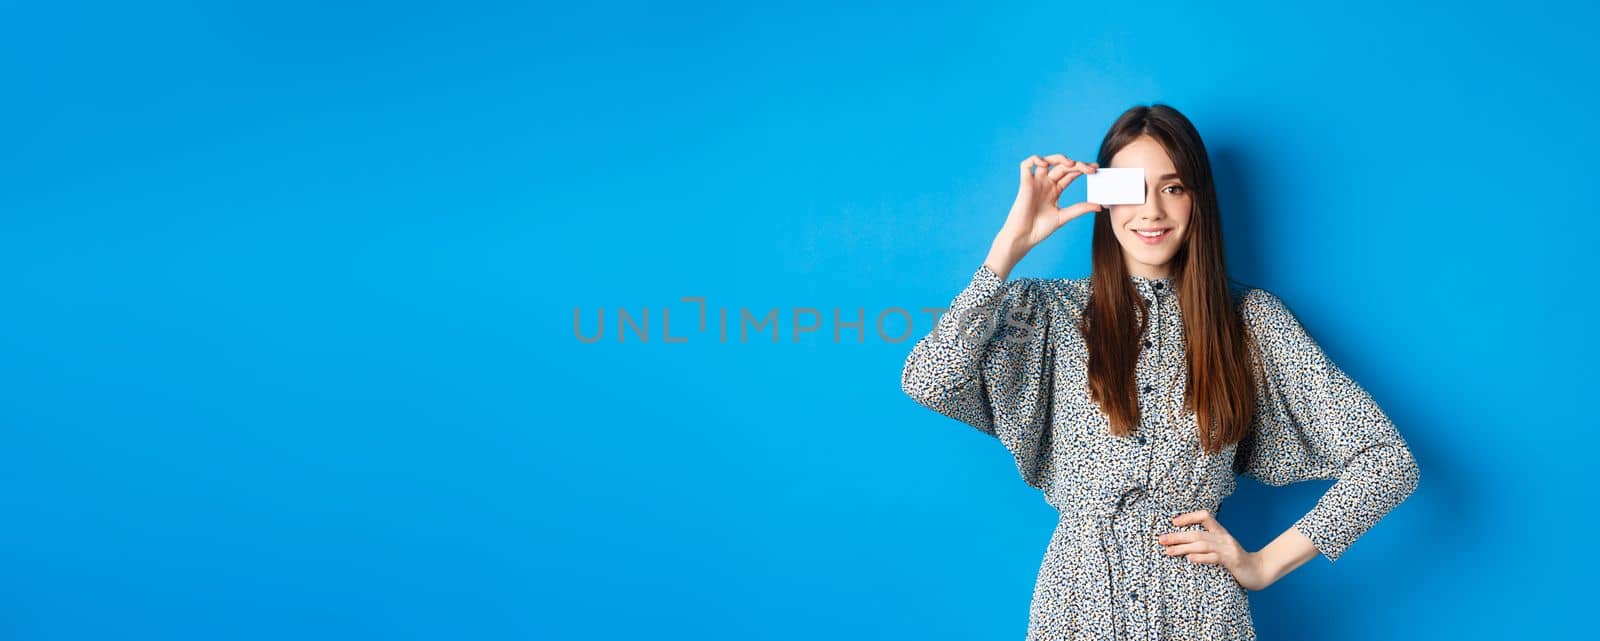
1116 186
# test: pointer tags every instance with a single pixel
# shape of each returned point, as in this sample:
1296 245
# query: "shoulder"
1256 301
1061 296
1267 314
1073 293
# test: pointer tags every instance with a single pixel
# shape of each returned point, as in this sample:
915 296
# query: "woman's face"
1167 204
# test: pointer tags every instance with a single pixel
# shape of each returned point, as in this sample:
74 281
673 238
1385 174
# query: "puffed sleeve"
987 363
1315 422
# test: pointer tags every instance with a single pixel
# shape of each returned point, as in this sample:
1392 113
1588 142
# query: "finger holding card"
1037 213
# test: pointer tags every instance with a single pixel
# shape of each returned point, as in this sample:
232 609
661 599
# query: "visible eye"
1173 189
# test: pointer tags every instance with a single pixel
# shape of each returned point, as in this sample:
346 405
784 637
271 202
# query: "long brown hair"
1221 387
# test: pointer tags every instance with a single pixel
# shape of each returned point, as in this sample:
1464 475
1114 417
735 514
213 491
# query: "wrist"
1004 253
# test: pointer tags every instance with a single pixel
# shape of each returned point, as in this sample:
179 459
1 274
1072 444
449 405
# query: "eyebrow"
1166 176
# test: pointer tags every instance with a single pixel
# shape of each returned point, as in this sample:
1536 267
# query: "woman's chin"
1148 257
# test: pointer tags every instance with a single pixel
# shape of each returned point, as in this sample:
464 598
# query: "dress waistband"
1113 502
1106 507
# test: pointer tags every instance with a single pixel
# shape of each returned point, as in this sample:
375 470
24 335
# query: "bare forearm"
1285 553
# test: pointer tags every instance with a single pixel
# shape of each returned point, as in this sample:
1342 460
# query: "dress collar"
1152 286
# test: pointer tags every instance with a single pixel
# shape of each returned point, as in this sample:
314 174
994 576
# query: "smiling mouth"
1153 233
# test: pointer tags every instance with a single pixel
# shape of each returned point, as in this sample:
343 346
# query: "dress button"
1147 343
1149 388
1134 595
1141 439
1158 285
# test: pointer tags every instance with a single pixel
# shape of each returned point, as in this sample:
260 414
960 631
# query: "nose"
1151 208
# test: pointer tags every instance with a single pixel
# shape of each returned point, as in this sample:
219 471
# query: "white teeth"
1151 234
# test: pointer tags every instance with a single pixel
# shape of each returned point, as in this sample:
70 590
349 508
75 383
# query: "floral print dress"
1008 359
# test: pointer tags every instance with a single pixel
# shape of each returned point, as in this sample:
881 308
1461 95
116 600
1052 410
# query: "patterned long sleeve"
1315 422
987 363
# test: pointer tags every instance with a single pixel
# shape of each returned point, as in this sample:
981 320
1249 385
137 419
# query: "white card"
1116 186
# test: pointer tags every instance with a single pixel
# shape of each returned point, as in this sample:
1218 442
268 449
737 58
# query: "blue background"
289 291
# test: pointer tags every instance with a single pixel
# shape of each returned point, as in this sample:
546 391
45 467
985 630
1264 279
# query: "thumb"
1065 214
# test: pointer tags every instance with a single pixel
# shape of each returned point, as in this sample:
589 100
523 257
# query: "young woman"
1134 396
